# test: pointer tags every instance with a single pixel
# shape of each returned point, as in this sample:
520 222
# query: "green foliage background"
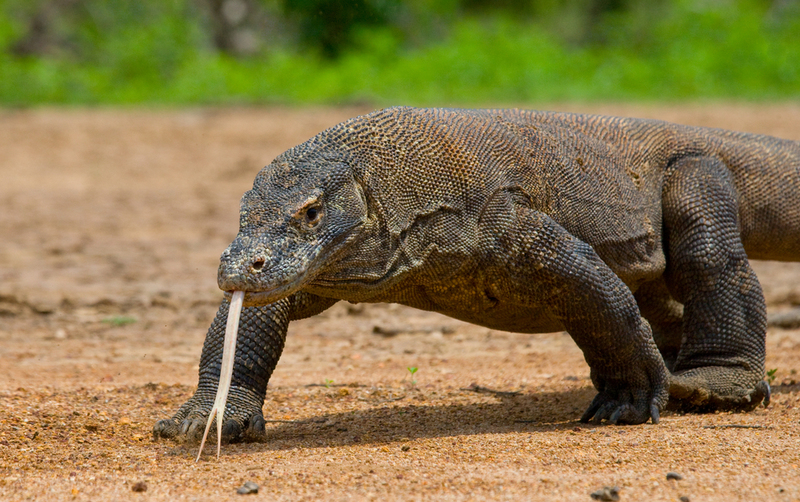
421 52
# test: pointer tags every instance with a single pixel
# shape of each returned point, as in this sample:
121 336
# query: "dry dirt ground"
111 225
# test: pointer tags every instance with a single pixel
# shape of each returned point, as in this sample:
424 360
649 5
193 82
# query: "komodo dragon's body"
632 235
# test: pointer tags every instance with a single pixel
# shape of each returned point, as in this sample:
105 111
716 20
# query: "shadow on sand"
399 422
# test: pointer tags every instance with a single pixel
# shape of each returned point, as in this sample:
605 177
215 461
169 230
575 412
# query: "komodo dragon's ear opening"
368 203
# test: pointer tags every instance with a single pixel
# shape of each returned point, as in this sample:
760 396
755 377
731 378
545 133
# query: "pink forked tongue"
226 370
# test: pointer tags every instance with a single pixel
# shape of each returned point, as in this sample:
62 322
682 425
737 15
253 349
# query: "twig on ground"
380 401
736 426
785 320
485 390
390 332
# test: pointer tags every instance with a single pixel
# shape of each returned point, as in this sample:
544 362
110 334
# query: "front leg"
262 332
549 266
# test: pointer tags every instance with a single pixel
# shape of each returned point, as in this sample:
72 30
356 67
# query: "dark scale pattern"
633 235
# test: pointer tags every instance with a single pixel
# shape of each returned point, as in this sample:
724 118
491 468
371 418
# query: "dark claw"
615 416
597 402
766 391
654 414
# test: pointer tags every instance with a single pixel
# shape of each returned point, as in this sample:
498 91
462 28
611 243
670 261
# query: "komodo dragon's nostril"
258 264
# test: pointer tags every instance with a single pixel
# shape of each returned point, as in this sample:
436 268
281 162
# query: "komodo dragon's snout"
296 218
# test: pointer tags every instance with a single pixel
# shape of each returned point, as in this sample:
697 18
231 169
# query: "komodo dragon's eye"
312 214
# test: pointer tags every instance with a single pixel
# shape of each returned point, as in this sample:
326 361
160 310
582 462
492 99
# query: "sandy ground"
111 225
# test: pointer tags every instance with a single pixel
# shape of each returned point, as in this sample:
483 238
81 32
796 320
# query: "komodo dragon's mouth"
259 298
272 295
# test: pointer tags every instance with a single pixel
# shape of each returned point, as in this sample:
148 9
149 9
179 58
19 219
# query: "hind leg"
720 364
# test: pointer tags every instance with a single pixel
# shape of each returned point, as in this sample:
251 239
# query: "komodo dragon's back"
765 169
611 167
613 155
632 235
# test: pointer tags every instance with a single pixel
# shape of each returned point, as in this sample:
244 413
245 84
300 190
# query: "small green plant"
771 375
119 320
328 383
412 370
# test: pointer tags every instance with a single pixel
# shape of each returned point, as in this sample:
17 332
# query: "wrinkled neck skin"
360 249
375 261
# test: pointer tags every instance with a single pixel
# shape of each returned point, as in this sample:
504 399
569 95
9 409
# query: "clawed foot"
716 388
623 408
632 396
244 420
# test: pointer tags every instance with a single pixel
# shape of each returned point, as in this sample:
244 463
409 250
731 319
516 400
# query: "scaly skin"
632 235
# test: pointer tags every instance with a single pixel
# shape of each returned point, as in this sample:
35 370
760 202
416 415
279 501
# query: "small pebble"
139 487
405 448
607 494
684 498
674 475
249 488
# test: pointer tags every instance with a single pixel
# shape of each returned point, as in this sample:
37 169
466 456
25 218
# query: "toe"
231 431
605 412
166 429
597 402
195 429
655 415
256 428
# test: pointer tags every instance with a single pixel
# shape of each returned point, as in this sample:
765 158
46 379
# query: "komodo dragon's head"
303 211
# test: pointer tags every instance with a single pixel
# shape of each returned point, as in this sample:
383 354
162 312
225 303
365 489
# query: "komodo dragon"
632 235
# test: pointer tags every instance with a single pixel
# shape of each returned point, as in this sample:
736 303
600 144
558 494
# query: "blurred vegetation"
434 52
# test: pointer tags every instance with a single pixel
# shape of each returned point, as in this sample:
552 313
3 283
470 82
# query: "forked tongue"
226 371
